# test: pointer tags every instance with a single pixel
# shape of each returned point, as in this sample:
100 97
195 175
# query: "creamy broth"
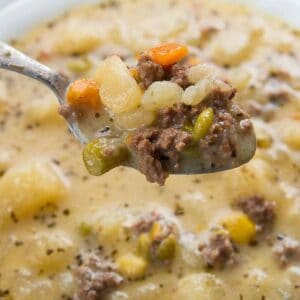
52 211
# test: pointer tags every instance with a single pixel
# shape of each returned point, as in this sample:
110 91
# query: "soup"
230 235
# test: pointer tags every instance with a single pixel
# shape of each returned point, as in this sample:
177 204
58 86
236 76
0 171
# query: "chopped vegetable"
264 140
85 229
132 266
144 245
155 231
161 94
168 54
240 228
118 89
203 124
166 250
84 93
79 65
100 156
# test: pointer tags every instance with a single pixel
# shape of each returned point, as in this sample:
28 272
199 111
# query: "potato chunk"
134 119
75 38
50 252
118 90
44 111
26 188
201 286
232 47
161 94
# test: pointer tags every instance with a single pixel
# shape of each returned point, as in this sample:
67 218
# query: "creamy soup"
230 235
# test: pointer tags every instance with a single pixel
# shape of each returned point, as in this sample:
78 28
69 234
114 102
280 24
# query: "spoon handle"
14 60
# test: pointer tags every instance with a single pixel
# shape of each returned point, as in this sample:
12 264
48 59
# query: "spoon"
14 60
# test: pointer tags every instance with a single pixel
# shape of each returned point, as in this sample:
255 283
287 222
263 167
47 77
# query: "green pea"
203 124
100 156
166 250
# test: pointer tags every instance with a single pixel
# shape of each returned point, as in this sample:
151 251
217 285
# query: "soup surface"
230 235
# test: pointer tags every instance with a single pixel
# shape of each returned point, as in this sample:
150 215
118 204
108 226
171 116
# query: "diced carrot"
168 54
84 93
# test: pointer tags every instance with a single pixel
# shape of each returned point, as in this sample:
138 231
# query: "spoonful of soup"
165 115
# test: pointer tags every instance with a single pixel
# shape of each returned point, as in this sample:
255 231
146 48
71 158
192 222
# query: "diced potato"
75 39
161 94
291 135
27 188
44 111
132 266
202 286
134 119
110 229
118 90
239 78
258 177
50 252
200 72
241 229
231 47
195 94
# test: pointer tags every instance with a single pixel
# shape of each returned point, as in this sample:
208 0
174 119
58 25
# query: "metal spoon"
14 60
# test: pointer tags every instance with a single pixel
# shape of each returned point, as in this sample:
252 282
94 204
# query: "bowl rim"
41 11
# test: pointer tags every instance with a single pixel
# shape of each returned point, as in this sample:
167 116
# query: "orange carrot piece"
168 54
84 93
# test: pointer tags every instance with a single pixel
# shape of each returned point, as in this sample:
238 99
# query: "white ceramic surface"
20 16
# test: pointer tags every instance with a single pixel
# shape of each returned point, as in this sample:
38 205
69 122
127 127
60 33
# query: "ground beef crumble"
259 210
178 74
149 71
95 277
286 249
219 252
159 150
144 223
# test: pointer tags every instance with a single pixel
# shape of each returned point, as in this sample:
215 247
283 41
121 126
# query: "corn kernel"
132 266
240 228
155 231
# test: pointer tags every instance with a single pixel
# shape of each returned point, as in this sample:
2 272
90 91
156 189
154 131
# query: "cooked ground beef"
178 74
219 252
286 249
144 223
260 211
95 277
158 151
158 148
149 71
220 143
